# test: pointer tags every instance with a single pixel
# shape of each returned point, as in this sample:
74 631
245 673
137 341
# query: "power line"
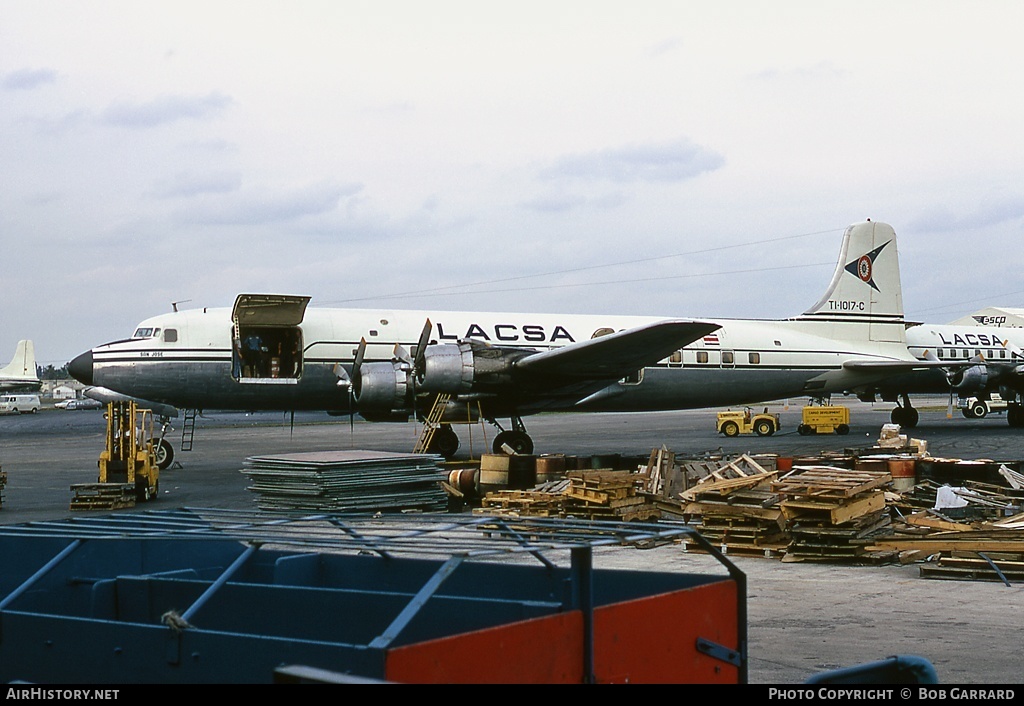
445 289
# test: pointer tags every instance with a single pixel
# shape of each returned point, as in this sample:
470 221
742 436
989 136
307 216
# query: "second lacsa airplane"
272 352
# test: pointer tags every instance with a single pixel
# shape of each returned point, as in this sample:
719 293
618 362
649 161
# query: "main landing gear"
515 438
445 441
904 413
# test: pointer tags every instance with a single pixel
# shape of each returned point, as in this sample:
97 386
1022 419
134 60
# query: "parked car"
83 403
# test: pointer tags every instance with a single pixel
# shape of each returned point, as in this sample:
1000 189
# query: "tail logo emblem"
863 267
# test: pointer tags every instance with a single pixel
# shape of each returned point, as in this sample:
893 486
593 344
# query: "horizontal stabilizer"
617 354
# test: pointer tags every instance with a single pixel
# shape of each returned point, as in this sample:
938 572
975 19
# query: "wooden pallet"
965 568
102 496
830 482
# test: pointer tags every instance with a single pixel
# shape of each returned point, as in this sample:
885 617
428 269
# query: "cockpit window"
146 332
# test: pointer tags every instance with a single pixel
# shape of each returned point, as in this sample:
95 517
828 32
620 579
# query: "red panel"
653 640
648 640
545 650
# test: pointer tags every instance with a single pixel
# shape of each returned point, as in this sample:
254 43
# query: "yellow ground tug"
128 470
746 421
824 419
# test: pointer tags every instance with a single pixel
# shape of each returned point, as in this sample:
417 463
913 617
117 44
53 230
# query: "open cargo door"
267 337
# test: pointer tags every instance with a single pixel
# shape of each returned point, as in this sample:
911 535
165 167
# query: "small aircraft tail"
865 298
23 365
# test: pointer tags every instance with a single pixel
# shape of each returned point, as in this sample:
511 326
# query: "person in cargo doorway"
253 349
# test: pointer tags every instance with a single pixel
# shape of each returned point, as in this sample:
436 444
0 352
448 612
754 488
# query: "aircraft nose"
81 368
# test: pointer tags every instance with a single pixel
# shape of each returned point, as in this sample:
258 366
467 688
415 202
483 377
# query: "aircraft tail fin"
864 300
23 364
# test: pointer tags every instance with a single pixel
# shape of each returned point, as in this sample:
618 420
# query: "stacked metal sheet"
348 481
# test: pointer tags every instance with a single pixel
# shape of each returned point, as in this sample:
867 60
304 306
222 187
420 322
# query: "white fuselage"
745 361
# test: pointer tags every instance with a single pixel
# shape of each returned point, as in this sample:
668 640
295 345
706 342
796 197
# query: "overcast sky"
665 158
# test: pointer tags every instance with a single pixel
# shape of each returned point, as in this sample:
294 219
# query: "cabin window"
171 335
754 358
266 352
728 358
676 358
702 357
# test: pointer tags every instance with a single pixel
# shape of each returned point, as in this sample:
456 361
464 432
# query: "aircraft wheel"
731 429
518 441
164 454
896 416
842 430
979 410
1015 416
912 417
445 441
764 428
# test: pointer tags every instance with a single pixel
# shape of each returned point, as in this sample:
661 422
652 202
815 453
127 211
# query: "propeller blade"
421 347
401 354
357 364
343 378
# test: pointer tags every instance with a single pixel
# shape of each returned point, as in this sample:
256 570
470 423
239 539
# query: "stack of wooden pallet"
597 494
607 495
735 508
543 500
833 513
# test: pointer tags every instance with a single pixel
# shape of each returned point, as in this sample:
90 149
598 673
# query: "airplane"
269 352
981 361
20 374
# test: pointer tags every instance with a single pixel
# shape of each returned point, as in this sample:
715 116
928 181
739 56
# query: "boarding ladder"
188 429
431 423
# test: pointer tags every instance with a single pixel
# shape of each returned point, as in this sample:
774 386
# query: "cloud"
28 79
994 212
652 162
562 203
253 208
186 184
821 71
167 109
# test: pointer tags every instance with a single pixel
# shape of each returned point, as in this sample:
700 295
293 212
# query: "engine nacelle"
972 379
381 392
467 366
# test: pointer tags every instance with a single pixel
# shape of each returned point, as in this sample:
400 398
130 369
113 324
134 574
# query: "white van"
15 404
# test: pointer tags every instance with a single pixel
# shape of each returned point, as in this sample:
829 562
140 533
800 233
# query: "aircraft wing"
902 366
105 395
616 354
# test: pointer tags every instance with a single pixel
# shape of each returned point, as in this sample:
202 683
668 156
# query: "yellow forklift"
128 471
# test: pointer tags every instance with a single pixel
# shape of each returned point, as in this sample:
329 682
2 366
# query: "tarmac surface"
803 618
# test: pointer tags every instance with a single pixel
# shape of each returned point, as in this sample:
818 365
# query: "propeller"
415 363
931 357
421 349
352 381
